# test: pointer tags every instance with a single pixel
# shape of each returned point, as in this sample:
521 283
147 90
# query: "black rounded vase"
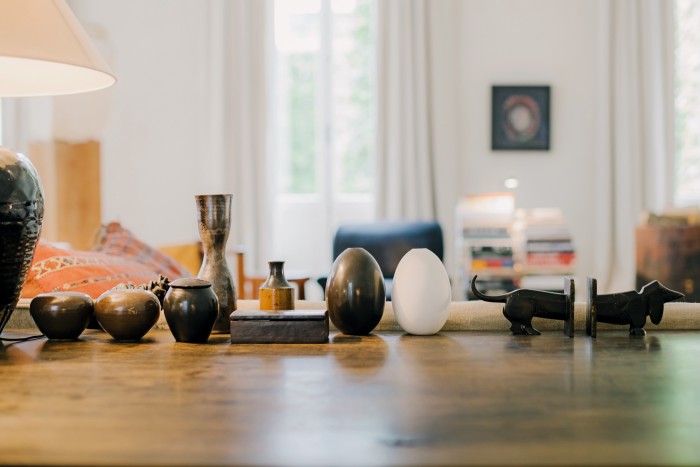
191 308
21 214
355 293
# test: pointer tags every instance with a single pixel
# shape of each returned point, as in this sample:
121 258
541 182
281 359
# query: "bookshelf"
547 248
510 248
484 243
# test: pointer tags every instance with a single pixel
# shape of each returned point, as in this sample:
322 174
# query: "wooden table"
387 399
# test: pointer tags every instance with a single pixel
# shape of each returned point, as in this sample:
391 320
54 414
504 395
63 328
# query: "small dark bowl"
61 315
127 314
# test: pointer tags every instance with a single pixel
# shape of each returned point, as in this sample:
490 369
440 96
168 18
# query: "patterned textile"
115 240
56 269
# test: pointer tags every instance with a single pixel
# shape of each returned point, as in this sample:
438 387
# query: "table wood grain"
386 399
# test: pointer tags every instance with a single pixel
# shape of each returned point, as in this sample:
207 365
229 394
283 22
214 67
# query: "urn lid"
190 283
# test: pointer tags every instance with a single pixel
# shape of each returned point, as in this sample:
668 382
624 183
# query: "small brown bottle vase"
276 293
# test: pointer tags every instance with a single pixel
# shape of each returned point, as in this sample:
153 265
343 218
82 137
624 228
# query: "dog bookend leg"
520 329
570 293
520 316
591 319
637 332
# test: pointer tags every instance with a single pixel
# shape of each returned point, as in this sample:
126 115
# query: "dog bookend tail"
627 307
521 305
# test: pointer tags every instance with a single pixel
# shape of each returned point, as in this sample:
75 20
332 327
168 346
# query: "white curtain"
246 113
418 130
417 88
635 160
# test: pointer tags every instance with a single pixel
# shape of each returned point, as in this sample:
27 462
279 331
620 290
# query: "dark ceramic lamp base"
21 215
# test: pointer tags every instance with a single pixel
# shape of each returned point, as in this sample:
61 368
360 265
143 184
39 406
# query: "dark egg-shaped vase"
21 215
127 314
355 293
61 315
190 308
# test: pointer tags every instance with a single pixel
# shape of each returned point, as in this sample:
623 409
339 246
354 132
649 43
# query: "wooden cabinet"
671 255
70 174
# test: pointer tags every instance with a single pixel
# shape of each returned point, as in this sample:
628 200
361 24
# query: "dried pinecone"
158 287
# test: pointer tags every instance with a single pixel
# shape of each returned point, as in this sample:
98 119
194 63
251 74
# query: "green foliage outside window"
357 161
302 124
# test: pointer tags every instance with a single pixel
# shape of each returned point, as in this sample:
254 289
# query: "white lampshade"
45 51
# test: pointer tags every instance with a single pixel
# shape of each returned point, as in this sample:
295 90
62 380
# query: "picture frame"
520 118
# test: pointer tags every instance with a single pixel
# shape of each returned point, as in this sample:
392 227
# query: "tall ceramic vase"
214 222
21 214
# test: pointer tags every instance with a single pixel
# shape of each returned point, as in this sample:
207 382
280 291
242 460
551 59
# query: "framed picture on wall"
520 118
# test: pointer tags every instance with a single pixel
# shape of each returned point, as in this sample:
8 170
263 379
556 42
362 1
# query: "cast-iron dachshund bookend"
628 307
524 304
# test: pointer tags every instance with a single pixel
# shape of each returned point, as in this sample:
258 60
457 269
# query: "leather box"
279 327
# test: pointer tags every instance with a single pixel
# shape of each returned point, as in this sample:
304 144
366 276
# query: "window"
687 103
325 95
325 123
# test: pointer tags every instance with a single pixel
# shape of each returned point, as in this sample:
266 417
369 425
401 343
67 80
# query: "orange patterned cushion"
115 240
56 269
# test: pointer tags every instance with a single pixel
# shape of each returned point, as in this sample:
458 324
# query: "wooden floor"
389 399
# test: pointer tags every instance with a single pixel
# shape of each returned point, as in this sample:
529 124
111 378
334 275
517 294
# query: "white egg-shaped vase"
421 292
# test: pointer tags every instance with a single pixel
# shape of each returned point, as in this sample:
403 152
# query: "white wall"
159 148
534 42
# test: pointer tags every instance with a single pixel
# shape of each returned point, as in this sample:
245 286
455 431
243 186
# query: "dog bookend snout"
627 307
521 305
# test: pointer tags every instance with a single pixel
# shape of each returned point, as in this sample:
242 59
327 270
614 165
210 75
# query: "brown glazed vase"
21 215
276 293
214 223
61 315
190 308
127 314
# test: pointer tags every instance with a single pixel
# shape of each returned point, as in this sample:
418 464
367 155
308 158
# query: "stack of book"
550 254
484 242
490 257
548 250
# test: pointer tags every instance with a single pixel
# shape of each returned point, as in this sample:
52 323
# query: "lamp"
43 51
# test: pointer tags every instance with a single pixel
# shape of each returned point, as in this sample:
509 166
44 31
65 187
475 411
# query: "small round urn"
191 308
127 314
276 293
61 315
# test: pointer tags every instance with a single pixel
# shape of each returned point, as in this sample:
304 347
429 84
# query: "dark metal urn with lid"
191 308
